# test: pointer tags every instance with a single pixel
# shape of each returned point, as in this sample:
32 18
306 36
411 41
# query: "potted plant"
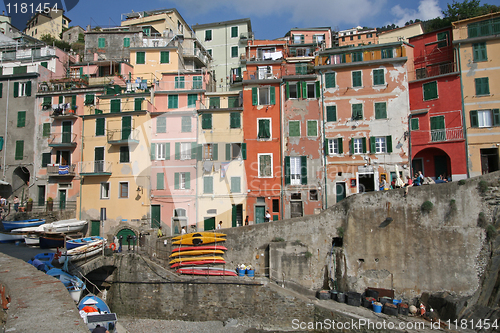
29 205
50 204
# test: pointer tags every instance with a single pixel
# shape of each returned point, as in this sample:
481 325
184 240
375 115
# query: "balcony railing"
296 69
195 53
95 168
123 137
64 112
262 56
61 170
440 135
62 140
431 71
179 85
47 206
262 74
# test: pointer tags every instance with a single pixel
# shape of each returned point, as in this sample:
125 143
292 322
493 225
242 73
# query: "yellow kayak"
198 241
194 259
199 234
196 253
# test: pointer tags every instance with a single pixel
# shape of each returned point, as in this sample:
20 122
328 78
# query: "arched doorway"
433 162
126 233
20 182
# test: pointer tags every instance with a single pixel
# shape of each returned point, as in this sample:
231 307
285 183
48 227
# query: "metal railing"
94 167
179 85
448 134
431 71
62 139
267 74
197 53
61 170
123 135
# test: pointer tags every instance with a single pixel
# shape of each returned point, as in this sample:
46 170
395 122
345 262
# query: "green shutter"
99 126
304 89
234 52
318 89
234 32
255 97
331 113
161 125
363 141
287 90
186 124
235 120
197 82
479 52
357 111
194 151
173 101
89 99
312 128
244 151
126 42
45 159
356 79
73 102
140 57
19 150
46 130
192 98
330 80
176 181
388 142
187 179
179 82
167 150
177 150
430 90
372 145
352 146
380 110
16 89
28 88
153 151
474 122
208 34
199 152
208 185
138 104
482 86
206 121
272 91
228 152
115 105
44 64
414 124
101 42
1 88
1 143
287 170
341 148
378 77
61 99
303 170
496 117
293 128
235 185
215 152
21 118
160 181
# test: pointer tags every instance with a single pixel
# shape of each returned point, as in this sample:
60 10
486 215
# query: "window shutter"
160 181
287 170
414 124
244 151
254 96
164 57
330 80
194 151
45 159
228 151
215 152
331 113
380 111
16 89
301 39
153 151
99 126
235 120
28 88
115 105
21 118
206 121
167 150
19 150
177 150
187 179
61 99
341 148
372 145
388 142
363 140
352 146
293 128
272 92
327 150
303 170
304 89
287 90
473 119
176 181
318 89
46 129
356 79
138 104
496 117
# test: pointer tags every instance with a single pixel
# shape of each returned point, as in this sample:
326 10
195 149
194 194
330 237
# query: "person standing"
219 226
267 218
183 230
246 220
160 233
16 203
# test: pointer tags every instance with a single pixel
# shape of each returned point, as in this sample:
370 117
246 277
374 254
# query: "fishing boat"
72 225
9 225
199 234
6 237
95 311
196 253
74 243
43 261
201 247
32 239
198 240
198 262
84 251
73 283
206 271
174 261
51 240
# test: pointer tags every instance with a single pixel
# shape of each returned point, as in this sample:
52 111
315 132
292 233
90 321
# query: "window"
343 39
19 150
264 129
46 130
235 120
206 121
210 151
101 43
414 123
485 118
1 143
21 118
318 39
105 190
235 185
357 111
192 98
380 145
358 145
45 159
126 42
369 35
164 57
356 79
313 195
301 69
124 154
182 150
235 151
160 181
161 125
357 56
140 58
263 95
234 32
292 90
89 99
310 89
115 105
378 77
335 146
482 86
197 82
351 37
22 88
208 35
381 110
234 51
161 151
294 128
100 124
1 85
173 101
295 170
330 80
179 82
182 181
186 124
312 128
209 51
146 31
331 113
214 102
479 52
430 90
265 165
276 206
442 38
123 190
208 185
438 128
298 39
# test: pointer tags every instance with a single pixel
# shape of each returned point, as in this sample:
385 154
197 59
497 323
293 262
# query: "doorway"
440 165
62 199
340 191
260 212
417 165
155 216
41 195
98 159
366 182
296 209
209 223
237 215
489 160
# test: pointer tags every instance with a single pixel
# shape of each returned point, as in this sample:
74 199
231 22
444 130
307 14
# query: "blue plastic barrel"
377 308
396 301
250 272
241 272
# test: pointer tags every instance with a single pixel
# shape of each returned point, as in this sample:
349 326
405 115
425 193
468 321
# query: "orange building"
357 37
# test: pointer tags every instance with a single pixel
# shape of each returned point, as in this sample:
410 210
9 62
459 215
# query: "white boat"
72 225
74 284
83 252
32 239
6 237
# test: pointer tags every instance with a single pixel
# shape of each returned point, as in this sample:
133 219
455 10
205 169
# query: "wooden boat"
201 247
198 241
43 261
95 311
49 241
72 225
194 259
74 243
199 234
6 237
84 251
198 262
74 284
9 225
206 271
196 253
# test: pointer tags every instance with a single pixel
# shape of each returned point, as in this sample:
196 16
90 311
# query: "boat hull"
74 243
83 252
198 241
201 247
7 237
32 239
199 234
73 284
9 225
89 306
199 262
210 272
174 261
196 253
46 259
50 242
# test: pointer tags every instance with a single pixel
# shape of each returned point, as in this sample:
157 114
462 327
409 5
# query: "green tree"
51 40
462 10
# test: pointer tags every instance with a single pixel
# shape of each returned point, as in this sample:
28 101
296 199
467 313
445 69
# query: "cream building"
52 24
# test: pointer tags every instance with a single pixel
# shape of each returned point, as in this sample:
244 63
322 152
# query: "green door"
41 195
260 213
155 216
233 216
209 223
438 131
340 191
66 132
95 228
62 199
126 127
125 233
98 159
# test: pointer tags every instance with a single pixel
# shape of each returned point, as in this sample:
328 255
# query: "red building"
436 123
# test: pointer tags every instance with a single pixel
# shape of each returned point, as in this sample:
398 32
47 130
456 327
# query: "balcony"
267 73
61 170
197 54
432 71
179 85
436 136
262 56
123 137
95 168
298 69
64 111
245 36
62 140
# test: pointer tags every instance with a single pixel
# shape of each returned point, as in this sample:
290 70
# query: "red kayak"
206 271
199 262
203 247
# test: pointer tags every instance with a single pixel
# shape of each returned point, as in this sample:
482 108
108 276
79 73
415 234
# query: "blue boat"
73 243
73 283
43 261
50 241
95 311
9 225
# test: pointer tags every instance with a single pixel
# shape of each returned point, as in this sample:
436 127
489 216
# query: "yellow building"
115 162
400 34
477 41
221 171
52 24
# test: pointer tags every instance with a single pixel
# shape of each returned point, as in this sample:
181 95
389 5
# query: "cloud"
427 9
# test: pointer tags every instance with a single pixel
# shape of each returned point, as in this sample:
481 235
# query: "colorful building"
476 41
52 23
357 37
400 34
436 127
